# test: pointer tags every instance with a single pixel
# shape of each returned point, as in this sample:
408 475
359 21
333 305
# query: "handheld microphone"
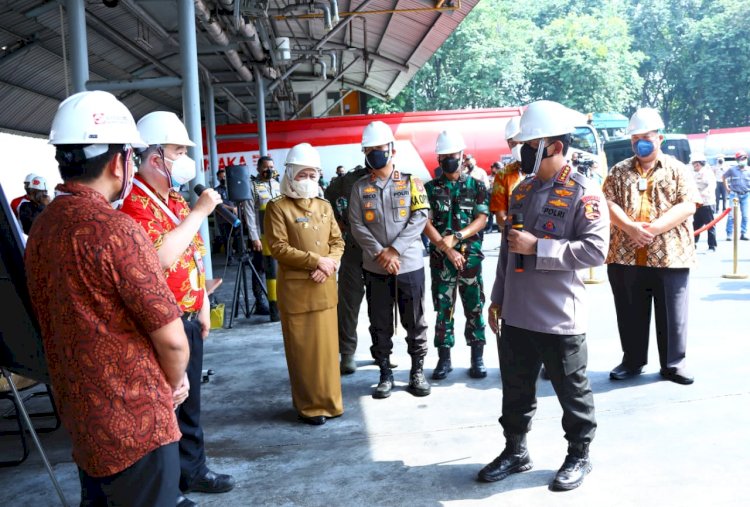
517 224
220 209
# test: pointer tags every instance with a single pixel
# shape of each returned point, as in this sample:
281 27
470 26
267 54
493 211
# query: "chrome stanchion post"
734 275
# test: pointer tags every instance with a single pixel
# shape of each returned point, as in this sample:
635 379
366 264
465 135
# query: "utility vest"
263 192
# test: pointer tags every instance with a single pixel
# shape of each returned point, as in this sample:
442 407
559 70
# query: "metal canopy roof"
372 46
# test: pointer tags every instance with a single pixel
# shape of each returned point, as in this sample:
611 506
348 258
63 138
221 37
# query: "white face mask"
307 188
516 152
183 170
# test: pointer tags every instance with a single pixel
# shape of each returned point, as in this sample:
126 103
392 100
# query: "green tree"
586 63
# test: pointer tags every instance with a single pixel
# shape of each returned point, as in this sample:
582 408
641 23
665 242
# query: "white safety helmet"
449 141
303 155
646 119
513 127
545 118
29 177
377 133
698 157
94 118
163 127
38 183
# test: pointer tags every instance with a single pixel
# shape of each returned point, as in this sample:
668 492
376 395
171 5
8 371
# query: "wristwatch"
458 235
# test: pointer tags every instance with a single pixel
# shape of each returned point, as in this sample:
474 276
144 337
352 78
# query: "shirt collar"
81 190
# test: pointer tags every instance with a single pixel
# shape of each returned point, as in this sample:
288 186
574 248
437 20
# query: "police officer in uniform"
264 188
351 287
560 225
387 213
458 212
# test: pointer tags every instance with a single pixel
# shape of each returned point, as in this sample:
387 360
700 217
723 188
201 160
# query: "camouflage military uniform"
453 206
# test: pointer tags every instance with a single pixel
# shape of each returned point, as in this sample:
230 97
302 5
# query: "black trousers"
152 481
634 288
351 290
721 196
192 452
704 215
408 290
522 354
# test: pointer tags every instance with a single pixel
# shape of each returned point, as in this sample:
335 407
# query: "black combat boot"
477 369
574 468
273 310
383 390
514 459
418 385
443 367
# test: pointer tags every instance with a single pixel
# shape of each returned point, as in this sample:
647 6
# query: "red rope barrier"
712 222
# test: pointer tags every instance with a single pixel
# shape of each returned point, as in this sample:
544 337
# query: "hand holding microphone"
520 242
218 205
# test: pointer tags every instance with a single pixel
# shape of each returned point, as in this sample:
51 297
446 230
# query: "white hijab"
292 188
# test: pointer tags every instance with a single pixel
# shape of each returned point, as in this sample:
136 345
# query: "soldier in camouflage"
458 212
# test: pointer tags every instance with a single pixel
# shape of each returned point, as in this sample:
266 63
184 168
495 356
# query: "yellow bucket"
217 316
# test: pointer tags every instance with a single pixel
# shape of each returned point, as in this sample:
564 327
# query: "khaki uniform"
299 232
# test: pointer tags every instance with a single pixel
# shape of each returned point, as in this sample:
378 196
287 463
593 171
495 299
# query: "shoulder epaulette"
278 198
579 178
323 199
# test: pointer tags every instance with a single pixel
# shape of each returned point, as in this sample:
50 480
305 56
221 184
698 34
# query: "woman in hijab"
306 241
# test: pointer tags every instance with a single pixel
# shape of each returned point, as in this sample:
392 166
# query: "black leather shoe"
571 473
622 372
316 420
477 370
744 238
677 376
383 389
514 459
212 482
183 501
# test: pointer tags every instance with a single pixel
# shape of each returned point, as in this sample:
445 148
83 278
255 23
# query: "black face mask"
528 157
378 159
450 165
267 174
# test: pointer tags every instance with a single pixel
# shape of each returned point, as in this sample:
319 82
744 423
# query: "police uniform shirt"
263 192
389 212
570 217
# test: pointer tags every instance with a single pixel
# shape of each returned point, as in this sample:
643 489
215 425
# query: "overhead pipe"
342 24
220 37
454 7
324 88
335 11
323 72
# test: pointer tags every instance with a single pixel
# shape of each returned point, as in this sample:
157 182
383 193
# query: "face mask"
528 157
516 152
307 188
183 170
449 165
643 148
742 163
378 159
266 174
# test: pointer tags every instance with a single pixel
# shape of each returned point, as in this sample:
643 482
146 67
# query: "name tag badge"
642 184
301 219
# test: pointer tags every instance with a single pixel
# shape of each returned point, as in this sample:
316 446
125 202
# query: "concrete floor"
658 443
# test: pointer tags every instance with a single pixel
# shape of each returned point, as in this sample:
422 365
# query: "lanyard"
158 201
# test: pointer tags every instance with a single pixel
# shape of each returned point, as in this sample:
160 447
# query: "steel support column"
260 100
213 155
191 106
79 56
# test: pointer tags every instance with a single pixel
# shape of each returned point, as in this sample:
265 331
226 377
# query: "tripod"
240 279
